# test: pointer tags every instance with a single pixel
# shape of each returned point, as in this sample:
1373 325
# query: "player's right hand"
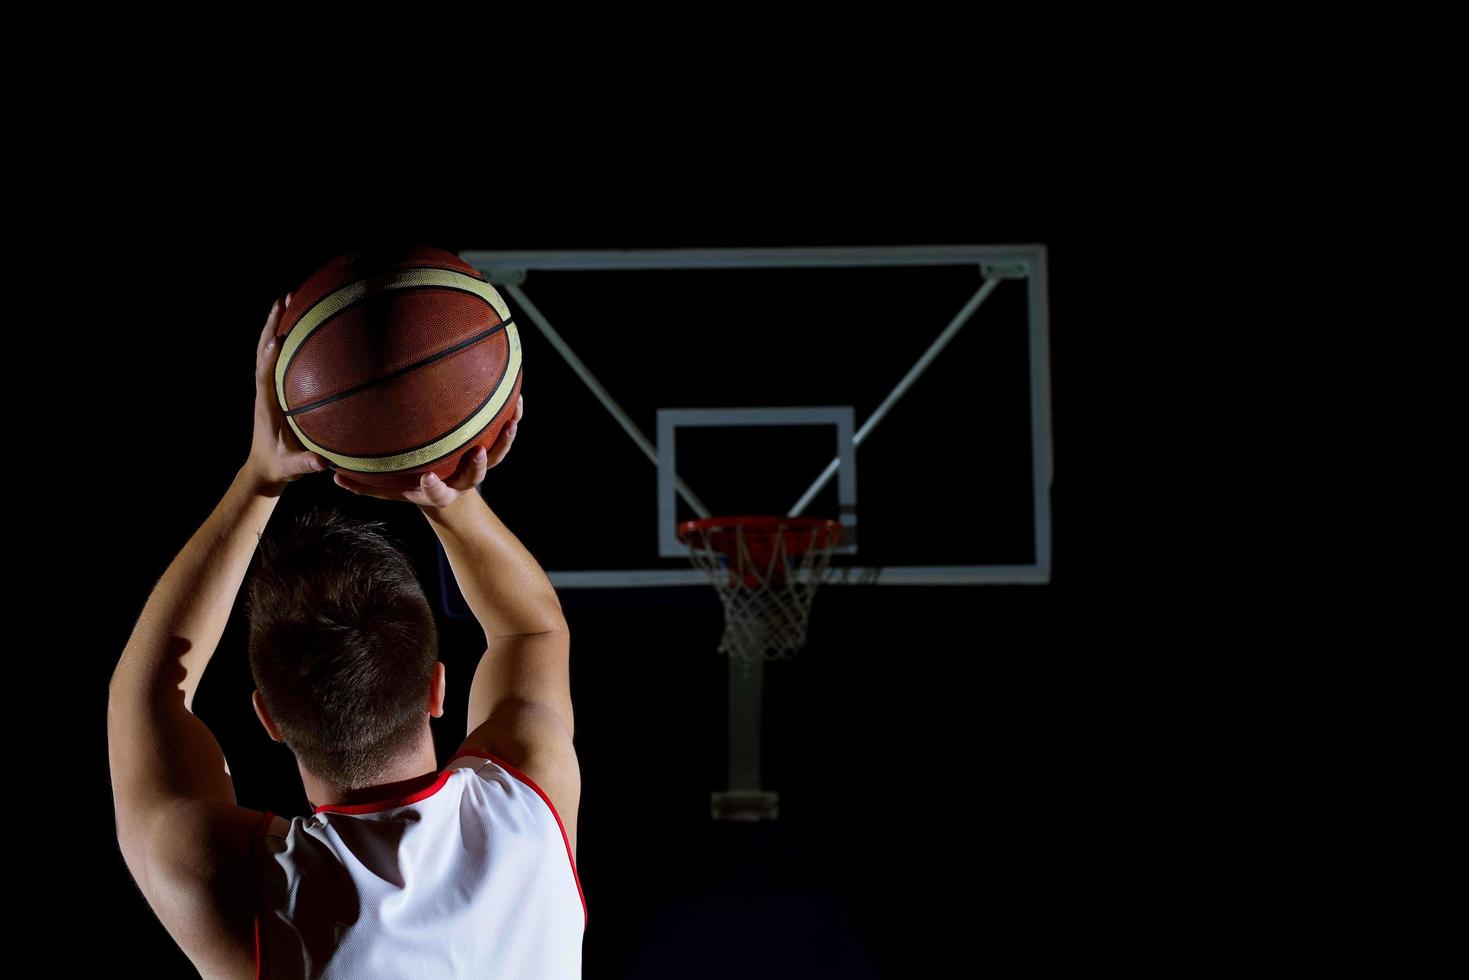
433 492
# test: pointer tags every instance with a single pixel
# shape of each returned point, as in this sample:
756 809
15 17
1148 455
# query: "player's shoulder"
532 743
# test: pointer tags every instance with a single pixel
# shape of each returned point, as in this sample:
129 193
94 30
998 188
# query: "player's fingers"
502 446
482 462
435 491
465 473
482 465
267 333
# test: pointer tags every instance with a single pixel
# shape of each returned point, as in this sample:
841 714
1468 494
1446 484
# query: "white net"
766 577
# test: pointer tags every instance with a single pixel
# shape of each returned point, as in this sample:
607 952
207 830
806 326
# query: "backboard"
903 390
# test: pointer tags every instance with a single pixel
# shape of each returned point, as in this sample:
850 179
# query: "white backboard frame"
996 263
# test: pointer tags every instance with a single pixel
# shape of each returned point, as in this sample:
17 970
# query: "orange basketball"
395 362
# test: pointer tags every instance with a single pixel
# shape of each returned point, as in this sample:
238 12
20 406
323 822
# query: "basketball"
397 362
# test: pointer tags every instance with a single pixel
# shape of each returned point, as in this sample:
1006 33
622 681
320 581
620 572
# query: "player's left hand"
276 455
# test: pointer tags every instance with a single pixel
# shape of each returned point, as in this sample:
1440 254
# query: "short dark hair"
343 645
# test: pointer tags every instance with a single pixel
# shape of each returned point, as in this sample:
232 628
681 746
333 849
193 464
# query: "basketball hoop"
766 571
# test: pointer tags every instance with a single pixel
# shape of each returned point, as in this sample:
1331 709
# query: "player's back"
472 876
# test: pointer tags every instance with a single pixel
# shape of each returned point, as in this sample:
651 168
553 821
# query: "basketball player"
402 869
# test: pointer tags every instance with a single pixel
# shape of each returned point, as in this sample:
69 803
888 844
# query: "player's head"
343 646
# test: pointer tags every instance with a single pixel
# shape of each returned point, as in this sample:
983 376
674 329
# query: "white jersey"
472 876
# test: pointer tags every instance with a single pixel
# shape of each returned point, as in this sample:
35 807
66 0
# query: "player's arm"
520 699
160 753
181 834
526 664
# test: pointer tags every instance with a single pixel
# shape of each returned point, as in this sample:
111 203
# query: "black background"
976 785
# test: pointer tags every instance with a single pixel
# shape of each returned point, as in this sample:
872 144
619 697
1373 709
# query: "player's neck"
400 781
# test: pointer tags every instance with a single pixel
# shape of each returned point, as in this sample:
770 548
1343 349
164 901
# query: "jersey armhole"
481 754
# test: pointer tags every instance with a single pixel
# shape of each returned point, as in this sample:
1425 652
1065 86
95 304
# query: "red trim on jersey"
422 794
542 793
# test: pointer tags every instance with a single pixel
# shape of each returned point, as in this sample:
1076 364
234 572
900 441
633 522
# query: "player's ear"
259 703
436 690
